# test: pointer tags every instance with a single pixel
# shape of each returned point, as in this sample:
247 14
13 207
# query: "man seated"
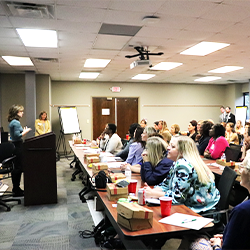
111 144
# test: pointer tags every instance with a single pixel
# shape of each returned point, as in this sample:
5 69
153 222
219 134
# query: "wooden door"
127 113
122 112
100 105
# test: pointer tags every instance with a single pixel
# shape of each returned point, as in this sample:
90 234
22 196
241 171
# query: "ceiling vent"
47 60
29 10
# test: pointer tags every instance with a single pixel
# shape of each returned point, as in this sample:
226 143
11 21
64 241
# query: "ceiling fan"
143 53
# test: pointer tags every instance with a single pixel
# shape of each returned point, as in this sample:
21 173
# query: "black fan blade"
128 56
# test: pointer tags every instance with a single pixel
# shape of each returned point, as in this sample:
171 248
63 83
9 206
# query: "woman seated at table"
239 129
236 235
217 144
204 139
147 132
175 129
143 123
192 130
231 136
136 148
113 144
156 165
42 125
190 181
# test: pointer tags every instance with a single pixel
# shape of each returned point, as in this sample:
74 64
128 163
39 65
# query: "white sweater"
112 145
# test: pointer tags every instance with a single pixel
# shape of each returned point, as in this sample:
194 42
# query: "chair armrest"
8 160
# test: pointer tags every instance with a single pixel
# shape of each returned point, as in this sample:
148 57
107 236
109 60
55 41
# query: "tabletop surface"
157 226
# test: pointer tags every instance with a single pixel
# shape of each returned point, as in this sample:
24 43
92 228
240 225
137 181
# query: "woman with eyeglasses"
17 133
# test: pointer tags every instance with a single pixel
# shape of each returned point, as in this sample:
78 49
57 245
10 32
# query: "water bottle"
128 173
223 157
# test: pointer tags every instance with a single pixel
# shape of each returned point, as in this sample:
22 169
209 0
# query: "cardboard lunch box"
133 216
96 167
93 159
223 162
117 176
115 193
91 155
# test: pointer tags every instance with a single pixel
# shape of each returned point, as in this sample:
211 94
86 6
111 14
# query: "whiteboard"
69 120
241 114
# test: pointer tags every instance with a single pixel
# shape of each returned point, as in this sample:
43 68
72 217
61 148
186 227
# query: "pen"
188 221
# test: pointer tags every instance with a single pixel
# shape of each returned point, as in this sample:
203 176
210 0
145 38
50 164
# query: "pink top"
217 147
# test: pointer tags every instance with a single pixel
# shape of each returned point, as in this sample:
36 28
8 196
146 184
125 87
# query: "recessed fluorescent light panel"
204 48
143 76
96 63
18 61
166 66
207 79
89 75
225 69
38 38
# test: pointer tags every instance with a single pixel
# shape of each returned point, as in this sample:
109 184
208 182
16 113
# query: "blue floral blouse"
183 186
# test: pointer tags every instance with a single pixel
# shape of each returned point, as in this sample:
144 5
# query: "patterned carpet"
54 226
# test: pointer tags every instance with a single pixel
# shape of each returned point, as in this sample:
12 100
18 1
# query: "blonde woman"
190 181
156 165
42 125
175 129
162 127
231 136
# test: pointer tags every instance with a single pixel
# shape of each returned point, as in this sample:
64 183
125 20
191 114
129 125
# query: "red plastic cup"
132 186
166 203
127 137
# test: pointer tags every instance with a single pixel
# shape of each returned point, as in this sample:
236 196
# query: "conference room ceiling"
88 29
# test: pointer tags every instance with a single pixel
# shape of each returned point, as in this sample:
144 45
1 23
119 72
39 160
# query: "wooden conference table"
134 240
238 193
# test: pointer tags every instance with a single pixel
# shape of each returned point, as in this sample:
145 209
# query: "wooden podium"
40 183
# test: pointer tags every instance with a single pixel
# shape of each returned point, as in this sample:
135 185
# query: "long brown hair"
13 112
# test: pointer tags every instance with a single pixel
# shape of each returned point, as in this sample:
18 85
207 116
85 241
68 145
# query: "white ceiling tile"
194 8
225 12
138 6
4 22
80 14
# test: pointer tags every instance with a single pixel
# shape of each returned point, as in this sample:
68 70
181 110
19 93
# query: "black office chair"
225 185
6 167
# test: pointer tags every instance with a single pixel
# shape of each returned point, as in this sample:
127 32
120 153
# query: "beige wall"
181 102
175 103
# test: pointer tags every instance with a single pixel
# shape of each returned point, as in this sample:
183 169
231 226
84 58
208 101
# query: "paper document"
185 220
114 164
214 164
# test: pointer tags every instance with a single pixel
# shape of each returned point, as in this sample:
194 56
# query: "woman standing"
42 125
190 181
155 166
16 134
217 144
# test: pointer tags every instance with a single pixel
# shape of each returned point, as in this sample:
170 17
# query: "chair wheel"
8 209
73 179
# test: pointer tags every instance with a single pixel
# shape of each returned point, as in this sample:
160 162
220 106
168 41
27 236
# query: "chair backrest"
224 186
6 150
233 152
